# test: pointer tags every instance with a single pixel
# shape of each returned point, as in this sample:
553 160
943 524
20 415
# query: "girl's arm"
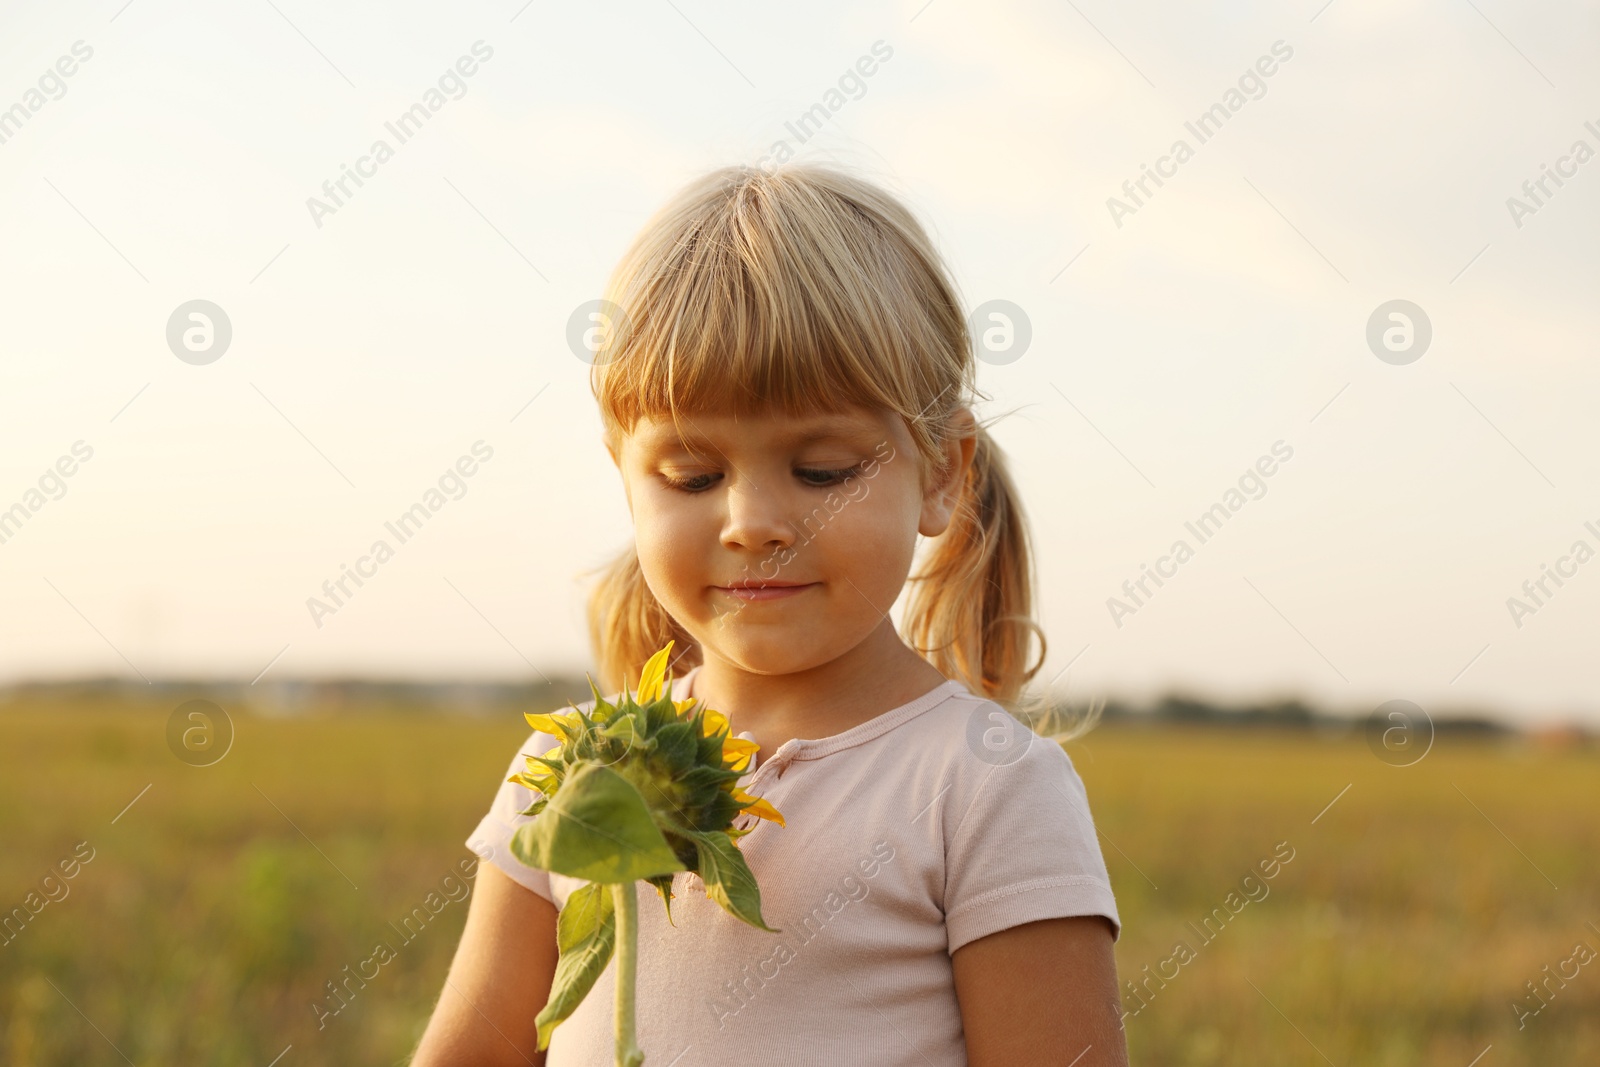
1042 993
499 980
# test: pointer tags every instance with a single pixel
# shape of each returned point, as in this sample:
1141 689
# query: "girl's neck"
876 676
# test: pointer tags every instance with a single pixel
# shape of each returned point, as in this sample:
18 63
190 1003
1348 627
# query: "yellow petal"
762 810
546 724
655 672
541 779
739 746
737 751
713 722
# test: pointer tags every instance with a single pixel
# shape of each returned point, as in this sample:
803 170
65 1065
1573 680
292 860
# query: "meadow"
218 904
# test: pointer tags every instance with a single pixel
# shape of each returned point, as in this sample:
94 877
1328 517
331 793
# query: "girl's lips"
769 593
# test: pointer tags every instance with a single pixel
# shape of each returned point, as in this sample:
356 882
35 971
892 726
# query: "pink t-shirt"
924 828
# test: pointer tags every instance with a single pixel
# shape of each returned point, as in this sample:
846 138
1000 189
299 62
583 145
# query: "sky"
1428 471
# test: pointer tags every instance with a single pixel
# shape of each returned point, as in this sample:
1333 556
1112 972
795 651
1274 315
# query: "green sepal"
586 934
554 766
728 878
675 742
663 884
624 728
602 711
702 776
719 811
597 828
709 746
536 807
658 713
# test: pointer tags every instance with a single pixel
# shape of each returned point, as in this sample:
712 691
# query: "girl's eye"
824 479
830 478
687 485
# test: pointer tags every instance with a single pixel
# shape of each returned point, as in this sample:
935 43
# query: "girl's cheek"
866 543
660 516
881 517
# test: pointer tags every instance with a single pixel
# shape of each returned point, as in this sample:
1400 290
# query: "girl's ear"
939 500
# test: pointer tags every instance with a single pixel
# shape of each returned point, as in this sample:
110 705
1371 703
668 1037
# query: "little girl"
784 388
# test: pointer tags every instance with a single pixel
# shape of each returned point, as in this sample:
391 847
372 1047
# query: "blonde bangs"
753 292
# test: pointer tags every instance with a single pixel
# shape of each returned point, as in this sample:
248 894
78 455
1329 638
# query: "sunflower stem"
625 902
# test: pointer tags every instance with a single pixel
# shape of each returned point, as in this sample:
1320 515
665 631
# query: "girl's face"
831 503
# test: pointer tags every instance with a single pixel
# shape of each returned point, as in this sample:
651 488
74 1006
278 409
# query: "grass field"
214 910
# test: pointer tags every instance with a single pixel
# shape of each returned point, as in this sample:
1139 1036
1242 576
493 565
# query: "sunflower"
636 790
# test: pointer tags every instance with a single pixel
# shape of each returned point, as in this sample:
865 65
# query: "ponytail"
970 609
627 624
970 612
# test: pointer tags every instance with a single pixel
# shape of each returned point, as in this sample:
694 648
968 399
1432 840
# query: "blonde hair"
808 290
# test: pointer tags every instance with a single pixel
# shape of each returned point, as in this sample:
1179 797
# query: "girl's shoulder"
971 736
951 758
987 816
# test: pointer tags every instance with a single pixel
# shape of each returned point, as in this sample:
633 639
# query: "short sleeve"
1025 849
491 841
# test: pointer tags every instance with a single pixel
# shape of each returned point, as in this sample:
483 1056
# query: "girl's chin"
773 654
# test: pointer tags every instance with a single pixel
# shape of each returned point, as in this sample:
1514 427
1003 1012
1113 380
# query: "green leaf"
728 878
596 828
586 934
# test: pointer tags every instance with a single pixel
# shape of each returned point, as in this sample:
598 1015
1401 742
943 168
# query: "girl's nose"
757 518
